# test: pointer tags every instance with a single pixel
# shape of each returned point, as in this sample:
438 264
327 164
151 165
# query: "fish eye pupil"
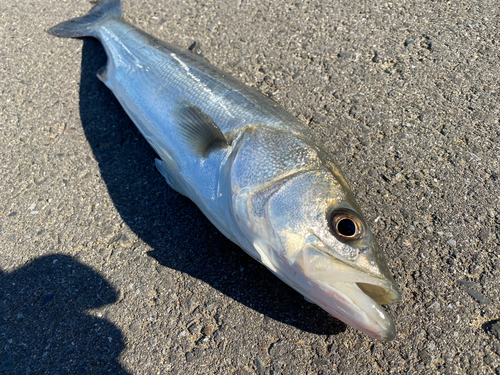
346 227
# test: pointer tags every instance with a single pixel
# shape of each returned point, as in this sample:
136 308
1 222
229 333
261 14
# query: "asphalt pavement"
105 269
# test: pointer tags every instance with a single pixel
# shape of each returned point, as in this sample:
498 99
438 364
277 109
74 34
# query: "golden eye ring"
347 225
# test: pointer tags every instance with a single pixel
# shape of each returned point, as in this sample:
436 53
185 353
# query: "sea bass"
250 166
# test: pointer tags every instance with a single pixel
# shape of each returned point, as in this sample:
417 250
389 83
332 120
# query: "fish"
253 169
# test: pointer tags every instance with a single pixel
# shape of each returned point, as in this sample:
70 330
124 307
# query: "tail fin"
86 25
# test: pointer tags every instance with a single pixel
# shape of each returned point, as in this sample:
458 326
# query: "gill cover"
305 227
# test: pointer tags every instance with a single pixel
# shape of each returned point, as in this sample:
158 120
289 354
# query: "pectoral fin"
197 129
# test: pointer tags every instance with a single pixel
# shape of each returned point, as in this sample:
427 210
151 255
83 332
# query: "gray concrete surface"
104 269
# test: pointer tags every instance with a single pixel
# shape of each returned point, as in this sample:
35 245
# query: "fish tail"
86 25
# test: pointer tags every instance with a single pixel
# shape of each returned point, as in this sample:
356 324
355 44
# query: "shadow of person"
181 236
43 325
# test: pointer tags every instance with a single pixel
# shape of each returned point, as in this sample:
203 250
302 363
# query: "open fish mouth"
381 295
356 304
346 291
350 294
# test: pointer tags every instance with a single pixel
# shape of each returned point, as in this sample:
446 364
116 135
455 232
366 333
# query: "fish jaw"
348 303
349 294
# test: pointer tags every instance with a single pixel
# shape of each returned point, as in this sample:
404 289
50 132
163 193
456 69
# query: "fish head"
313 236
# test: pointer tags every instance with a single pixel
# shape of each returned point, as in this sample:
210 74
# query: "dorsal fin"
198 129
196 49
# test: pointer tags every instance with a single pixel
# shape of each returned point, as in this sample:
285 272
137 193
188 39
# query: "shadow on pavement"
181 236
43 327
493 328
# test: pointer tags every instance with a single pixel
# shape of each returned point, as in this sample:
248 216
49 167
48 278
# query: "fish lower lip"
361 311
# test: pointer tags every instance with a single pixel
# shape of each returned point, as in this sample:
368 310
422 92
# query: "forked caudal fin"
85 26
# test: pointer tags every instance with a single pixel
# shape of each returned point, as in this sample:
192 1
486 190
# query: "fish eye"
346 225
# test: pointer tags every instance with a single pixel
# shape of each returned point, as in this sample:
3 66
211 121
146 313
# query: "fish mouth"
357 304
381 295
350 294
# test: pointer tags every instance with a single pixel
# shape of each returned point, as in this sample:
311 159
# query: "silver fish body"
250 166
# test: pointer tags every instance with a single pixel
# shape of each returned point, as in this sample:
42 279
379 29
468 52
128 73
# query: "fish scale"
264 148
